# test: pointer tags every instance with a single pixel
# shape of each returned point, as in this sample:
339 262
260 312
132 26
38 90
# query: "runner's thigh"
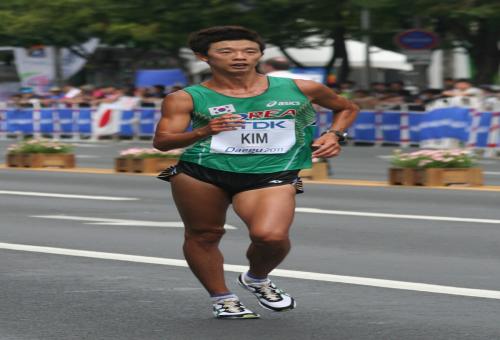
268 209
201 205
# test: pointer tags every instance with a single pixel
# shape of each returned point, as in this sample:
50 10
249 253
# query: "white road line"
403 216
85 197
497 173
354 280
119 222
87 156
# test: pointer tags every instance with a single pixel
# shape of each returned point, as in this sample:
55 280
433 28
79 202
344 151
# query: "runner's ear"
201 57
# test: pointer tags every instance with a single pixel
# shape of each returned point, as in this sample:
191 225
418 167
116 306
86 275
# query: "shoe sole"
284 309
240 317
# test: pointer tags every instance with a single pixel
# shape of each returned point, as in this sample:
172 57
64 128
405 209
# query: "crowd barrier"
75 123
464 126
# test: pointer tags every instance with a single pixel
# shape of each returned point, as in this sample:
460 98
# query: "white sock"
222 297
248 279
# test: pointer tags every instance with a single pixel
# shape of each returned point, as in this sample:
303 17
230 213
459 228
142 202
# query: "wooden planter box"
318 171
151 165
41 160
436 176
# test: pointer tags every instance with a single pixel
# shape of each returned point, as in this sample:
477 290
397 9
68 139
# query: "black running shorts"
233 182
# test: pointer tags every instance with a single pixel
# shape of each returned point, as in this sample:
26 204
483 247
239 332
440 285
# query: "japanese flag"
218 110
107 119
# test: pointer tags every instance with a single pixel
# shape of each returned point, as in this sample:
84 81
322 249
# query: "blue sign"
416 40
167 77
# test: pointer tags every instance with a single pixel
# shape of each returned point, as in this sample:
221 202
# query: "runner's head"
200 41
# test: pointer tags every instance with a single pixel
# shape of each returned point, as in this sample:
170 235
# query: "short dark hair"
200 41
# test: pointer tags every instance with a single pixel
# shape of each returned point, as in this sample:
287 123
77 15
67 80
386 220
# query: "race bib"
271 136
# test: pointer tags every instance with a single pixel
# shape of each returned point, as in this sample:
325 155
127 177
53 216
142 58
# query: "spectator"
158 91
464 88
448 84
347 89
378 89
364 99
52 98
428 95
27 97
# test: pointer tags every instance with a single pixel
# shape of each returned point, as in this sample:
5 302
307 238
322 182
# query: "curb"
340 182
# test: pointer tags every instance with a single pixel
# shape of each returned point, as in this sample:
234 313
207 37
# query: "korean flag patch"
218 110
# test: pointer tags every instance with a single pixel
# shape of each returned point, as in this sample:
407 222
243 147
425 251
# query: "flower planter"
318 171
41 160
148 165
436 176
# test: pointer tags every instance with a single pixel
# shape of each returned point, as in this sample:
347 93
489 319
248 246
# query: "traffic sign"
416 39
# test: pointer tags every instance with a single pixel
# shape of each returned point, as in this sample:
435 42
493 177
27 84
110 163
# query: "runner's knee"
208 237
268 237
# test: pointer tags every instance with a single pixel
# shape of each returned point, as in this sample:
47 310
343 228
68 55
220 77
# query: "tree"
57 23
472 24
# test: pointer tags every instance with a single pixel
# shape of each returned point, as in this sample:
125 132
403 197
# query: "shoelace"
268 292
232 306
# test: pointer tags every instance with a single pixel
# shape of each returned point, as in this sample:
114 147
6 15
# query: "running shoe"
232 308
269 296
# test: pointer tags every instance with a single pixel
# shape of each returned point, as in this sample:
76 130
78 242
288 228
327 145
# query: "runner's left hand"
326 146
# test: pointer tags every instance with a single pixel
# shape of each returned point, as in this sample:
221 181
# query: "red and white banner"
106 120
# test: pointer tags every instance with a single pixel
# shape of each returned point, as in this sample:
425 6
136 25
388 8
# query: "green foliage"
57 22
433 159
150 153
40 146
165 24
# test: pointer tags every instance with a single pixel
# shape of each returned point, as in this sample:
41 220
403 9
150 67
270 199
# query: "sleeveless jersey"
276 136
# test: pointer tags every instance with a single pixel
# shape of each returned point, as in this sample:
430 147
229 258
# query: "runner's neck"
235 86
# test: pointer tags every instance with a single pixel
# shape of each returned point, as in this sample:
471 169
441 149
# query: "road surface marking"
85 197
119 222
492 173
87 156
403 216
354 280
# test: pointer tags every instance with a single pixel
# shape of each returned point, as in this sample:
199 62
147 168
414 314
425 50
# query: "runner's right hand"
227 122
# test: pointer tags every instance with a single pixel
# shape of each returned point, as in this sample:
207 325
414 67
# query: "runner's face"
236 56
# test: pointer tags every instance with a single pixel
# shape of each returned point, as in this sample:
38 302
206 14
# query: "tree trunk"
485 54
340 52
295 61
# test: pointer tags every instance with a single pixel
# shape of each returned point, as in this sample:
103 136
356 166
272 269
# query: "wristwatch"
341 135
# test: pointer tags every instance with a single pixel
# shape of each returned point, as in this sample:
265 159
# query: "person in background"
448 83
364 99
464 88
378 89
158 91
346 89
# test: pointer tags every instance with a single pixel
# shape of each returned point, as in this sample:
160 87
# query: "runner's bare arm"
345 113
176 115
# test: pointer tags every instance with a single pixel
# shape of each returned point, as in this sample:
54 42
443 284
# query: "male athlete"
250 137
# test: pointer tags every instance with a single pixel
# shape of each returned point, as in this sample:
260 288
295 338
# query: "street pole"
366 26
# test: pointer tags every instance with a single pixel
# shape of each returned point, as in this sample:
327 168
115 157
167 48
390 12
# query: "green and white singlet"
276 136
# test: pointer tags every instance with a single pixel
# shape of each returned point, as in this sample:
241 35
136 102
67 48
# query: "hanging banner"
35 65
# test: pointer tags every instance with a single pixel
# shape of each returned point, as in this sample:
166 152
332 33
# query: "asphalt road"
366 263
